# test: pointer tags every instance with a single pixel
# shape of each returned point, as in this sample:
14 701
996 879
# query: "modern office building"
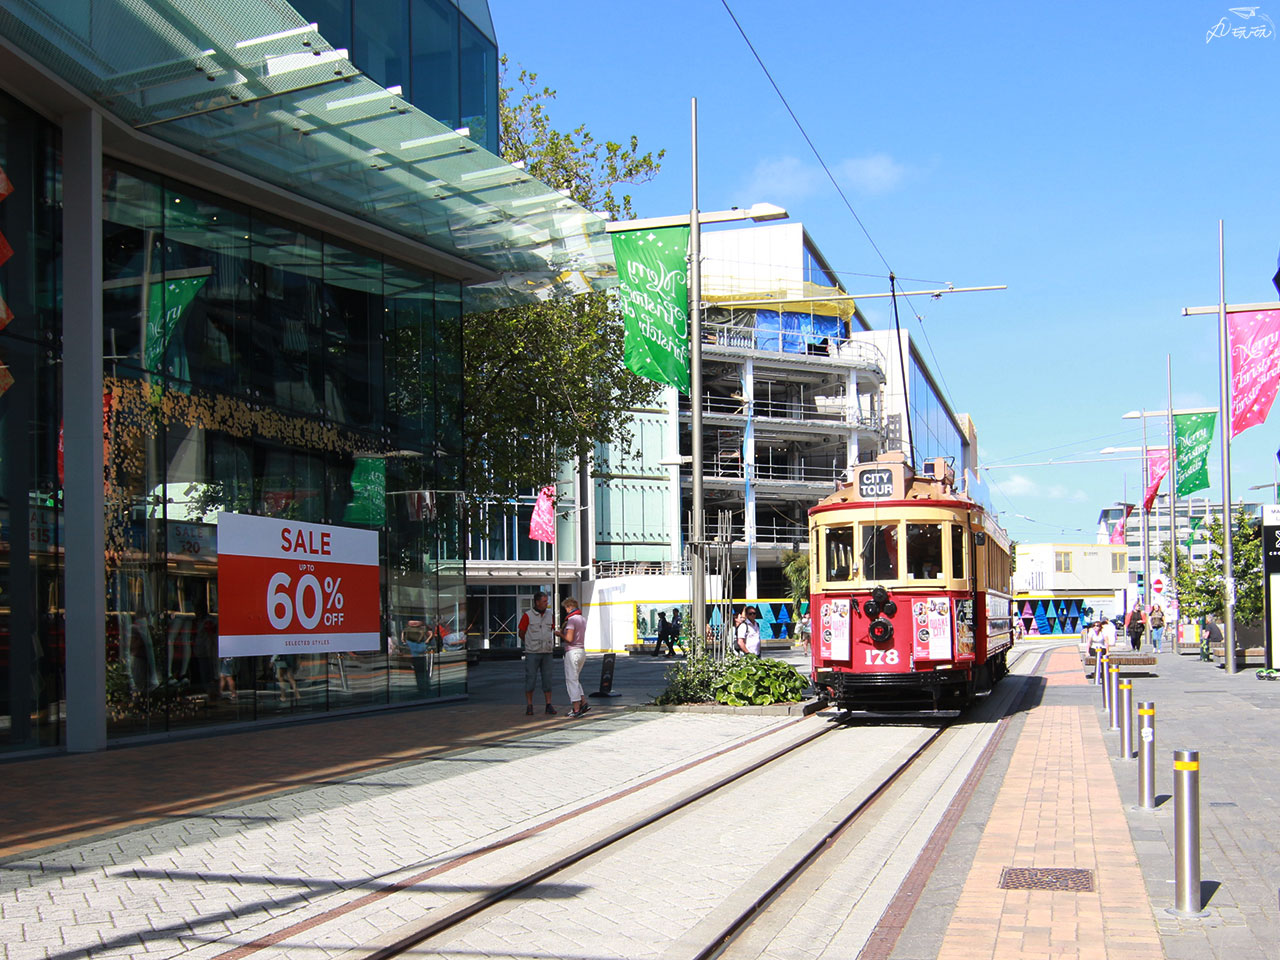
797 387
1194 517
239 239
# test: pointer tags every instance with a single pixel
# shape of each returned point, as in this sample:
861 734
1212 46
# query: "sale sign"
291 587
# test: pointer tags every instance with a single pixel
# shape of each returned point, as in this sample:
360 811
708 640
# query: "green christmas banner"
369 482
1193 436
653 296
167 301
1195 523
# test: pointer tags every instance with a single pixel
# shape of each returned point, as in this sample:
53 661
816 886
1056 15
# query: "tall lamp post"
694 221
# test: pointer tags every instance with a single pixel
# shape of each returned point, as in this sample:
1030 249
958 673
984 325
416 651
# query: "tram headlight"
880 631
880 595
889 608
871 609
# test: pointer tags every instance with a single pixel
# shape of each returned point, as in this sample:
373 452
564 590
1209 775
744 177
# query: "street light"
694 220
1146 555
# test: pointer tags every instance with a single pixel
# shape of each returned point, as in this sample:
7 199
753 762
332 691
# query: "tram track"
470 908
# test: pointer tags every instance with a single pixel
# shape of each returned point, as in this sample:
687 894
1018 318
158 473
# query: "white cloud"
878 173
788 179
1019 485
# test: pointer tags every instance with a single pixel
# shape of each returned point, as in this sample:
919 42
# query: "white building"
1059 586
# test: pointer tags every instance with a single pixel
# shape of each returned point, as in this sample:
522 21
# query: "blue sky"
1081 153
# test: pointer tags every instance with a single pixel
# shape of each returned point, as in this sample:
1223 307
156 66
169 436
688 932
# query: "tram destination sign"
875 483
289 587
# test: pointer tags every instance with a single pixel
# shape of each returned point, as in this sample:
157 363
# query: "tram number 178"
881 657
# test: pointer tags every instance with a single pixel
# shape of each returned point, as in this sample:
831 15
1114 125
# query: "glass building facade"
32 639
441 53
933 432
251 366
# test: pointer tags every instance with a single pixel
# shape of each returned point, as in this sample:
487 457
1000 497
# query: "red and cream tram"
909 591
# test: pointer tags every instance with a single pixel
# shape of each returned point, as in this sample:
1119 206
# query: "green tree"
544 382
1200 589
575 160
795 567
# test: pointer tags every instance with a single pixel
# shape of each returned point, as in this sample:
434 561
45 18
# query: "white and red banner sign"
1255 366
291 587
1157 467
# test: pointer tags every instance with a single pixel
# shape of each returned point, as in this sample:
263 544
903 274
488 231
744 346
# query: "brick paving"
1058 806
199 846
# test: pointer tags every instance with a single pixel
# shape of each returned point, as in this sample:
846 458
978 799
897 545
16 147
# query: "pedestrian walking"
1155 620
748 632
1209 637
537 633
1135 625
574 635
665 635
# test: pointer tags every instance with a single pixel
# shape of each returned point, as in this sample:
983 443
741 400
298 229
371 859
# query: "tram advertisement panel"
932 628
834 643
290 587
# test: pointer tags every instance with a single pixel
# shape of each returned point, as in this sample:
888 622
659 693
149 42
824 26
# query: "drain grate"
1070 879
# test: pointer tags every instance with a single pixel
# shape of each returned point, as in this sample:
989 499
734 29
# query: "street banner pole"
1175 601
1145 593
1224 420
1271 582
697 566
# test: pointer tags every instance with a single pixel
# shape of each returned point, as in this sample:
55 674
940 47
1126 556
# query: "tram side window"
839 553
924 551
879 551
957 551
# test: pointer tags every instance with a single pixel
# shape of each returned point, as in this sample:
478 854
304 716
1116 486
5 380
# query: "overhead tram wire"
804 133
830 176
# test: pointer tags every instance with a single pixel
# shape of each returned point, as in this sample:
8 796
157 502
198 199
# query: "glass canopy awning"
252 85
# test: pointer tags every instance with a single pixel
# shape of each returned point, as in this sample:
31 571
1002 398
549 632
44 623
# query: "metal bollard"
1126 720
1186 826
1103 680
1147 754
1113 697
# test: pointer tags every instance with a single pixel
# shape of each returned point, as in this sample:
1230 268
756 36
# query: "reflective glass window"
478 85
839 556
380 45
879 551
924 551
957 551
436 62
333 17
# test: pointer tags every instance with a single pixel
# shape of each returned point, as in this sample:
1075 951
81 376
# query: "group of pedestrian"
1101 635
538 632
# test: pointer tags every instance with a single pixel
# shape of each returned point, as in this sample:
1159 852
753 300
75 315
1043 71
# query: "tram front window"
840 553
879 551
924 551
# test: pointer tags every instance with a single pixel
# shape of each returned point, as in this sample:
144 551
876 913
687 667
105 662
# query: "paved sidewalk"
57 799
1068 800
1058 808
1234 721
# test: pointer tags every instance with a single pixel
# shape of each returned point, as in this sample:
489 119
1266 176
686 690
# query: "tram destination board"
875 484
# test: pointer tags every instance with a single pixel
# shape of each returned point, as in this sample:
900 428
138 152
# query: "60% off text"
309 603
